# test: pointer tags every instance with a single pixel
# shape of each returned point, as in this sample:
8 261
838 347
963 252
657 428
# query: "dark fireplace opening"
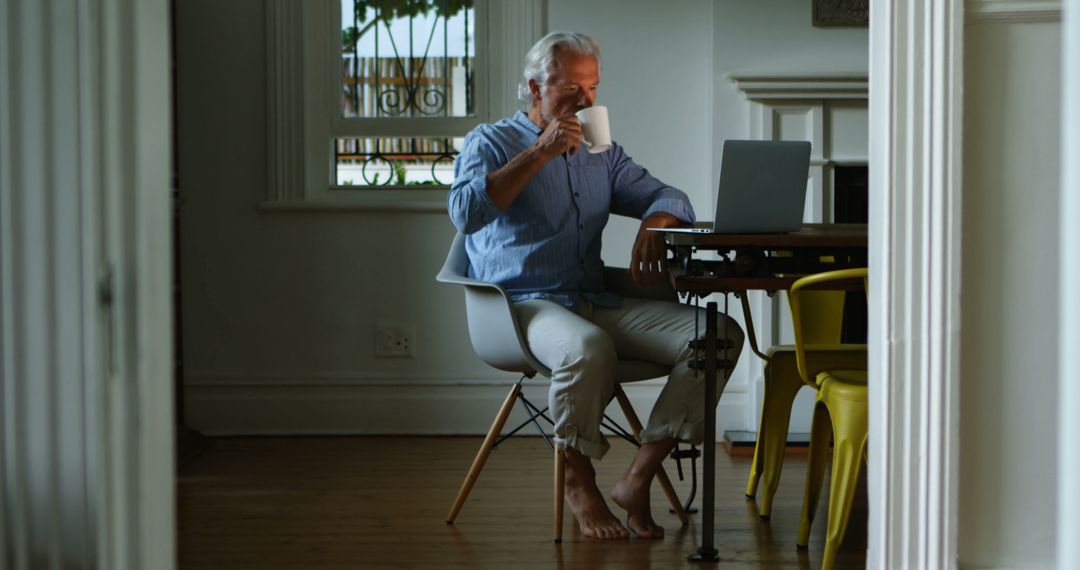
851 200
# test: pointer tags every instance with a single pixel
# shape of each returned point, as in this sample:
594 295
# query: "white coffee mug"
594 125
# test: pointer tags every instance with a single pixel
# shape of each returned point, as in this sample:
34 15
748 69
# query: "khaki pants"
582 350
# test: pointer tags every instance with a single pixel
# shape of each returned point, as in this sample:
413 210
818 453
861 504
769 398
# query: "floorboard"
381 502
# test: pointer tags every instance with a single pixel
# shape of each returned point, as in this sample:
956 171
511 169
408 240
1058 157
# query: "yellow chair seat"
845 377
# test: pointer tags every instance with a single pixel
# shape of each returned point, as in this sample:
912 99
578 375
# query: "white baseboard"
391 407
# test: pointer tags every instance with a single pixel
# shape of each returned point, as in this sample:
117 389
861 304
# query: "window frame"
303 117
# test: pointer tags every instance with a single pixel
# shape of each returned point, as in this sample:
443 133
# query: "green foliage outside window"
387 10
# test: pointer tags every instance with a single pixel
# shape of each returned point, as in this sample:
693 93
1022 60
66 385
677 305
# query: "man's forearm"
504 185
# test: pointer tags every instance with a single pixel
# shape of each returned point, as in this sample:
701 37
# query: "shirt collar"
526 122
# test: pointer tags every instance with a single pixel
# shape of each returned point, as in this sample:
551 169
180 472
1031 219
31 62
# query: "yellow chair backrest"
817 314
821 314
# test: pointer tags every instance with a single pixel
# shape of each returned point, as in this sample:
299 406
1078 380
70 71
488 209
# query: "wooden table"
750 262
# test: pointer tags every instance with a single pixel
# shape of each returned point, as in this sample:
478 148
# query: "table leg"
707 552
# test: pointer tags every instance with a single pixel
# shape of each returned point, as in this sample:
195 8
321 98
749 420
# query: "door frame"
916 81
1068 551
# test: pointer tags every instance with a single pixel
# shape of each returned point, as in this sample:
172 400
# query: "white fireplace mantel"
830 110
758 86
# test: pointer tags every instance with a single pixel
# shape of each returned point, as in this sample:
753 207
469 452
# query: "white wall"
1009 309
773 37
279 309
290 300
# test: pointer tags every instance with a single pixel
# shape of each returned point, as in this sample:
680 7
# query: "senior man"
533 204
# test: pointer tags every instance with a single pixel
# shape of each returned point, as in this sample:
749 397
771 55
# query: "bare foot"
587 503
632 493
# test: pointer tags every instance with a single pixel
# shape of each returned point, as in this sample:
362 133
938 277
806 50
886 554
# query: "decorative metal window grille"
395 161
413 60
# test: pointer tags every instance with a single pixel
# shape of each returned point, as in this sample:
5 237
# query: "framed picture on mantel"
834 13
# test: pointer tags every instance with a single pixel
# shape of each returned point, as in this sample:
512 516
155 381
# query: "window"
412 62
369 100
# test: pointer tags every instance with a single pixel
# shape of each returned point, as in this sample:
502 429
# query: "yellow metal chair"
821 318
840 413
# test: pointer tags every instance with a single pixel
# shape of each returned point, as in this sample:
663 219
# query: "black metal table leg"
707 551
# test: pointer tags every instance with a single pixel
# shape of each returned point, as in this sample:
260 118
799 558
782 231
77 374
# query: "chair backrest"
456 266
493 326
822 316
817 314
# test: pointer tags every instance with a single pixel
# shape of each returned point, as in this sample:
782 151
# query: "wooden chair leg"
560 488
672 497
661 475
482 455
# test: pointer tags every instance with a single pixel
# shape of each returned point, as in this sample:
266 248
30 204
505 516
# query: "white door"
86 427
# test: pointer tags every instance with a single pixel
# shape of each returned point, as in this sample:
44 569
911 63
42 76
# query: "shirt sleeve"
637 194
469 205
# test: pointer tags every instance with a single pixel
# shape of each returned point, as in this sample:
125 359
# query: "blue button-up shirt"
547 244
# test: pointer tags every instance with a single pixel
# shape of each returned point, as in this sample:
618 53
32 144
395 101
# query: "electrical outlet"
392 340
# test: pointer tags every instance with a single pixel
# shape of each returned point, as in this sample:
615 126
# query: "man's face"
571 87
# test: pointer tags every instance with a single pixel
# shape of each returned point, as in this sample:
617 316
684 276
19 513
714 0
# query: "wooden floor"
380 502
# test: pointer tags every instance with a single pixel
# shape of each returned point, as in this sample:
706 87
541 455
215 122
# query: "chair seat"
844 378
816 348
819 357
625 371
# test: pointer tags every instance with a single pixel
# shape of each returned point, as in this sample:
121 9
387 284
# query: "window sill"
386 199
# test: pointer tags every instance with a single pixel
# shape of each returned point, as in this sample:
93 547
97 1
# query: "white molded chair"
498 340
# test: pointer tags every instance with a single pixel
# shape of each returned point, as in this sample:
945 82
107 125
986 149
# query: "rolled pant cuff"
588 448
692 433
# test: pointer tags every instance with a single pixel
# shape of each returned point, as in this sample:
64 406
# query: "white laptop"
762 189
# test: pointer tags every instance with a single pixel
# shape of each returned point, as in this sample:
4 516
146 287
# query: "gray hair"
540 61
